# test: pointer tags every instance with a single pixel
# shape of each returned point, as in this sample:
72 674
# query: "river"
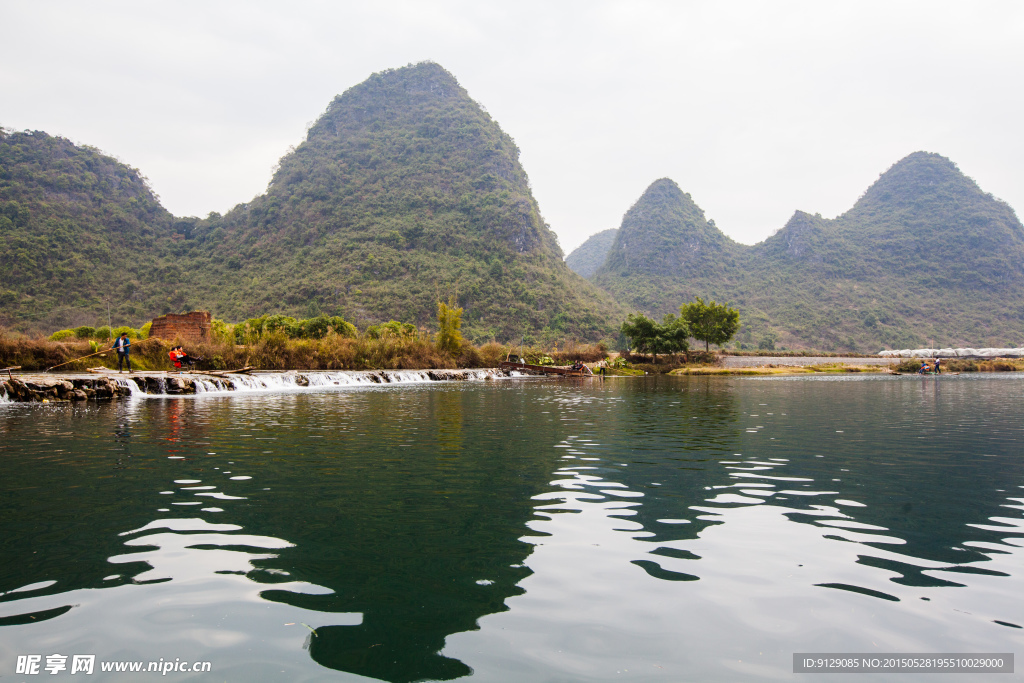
632 529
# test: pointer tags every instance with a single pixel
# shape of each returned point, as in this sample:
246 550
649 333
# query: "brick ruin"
188 327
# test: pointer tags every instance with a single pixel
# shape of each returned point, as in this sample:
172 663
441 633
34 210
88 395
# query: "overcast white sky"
755 108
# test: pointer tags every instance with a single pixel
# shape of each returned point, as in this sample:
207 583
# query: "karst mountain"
403 192
925 257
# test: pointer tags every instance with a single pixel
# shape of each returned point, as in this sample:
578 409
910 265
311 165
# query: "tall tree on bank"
449 319
710 322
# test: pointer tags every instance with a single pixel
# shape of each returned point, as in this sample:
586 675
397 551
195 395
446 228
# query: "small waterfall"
206 385
267 382
4 398
133 389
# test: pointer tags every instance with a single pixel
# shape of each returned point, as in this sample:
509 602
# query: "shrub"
61 335
954 365
144 330
252 330
85 332
248 331
469 357
132 332
342 327
103 332
219 330
586 353
492 353
283 323
997 366
392 328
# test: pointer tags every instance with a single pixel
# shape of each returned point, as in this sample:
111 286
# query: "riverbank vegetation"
772 369
390 346
965 365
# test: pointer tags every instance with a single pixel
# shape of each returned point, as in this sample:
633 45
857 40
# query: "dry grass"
966 365
274 351
826 368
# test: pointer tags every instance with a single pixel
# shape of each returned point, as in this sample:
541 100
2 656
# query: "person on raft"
123 346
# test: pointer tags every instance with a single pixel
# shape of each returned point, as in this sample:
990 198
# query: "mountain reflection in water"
663 527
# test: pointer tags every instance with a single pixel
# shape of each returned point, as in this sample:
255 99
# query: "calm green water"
635 530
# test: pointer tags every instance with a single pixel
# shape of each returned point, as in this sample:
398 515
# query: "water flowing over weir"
296 381
29 388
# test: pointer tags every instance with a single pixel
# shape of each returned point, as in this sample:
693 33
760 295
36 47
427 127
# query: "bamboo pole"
141 341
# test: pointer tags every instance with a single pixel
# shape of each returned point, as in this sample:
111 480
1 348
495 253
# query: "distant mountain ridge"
588 257
924 257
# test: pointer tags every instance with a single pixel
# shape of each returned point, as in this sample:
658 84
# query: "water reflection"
882 519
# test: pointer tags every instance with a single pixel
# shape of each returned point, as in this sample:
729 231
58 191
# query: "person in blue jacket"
123 347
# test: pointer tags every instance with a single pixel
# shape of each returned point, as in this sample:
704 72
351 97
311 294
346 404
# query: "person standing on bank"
123 346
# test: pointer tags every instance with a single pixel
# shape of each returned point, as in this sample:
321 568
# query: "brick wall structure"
188 327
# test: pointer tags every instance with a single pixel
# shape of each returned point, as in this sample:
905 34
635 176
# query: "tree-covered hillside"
403 190
78 227
925 257
588 257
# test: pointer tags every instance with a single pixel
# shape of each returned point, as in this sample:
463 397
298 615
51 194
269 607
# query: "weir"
38 388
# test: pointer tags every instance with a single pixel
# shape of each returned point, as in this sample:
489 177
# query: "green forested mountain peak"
916 180
803 238
412 140
77 226
406 188
666 233
923 215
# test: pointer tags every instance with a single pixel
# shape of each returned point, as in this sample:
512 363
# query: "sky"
756 109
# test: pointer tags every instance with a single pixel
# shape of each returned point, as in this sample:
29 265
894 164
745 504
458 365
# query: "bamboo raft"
561 370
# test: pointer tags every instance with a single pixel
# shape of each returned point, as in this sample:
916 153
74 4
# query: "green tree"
673 334
709 322
640 330
449 316
647 336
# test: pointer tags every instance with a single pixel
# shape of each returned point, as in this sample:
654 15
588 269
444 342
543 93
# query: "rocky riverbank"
32 388
36 389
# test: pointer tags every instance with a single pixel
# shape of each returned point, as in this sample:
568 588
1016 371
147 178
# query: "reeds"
276 351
